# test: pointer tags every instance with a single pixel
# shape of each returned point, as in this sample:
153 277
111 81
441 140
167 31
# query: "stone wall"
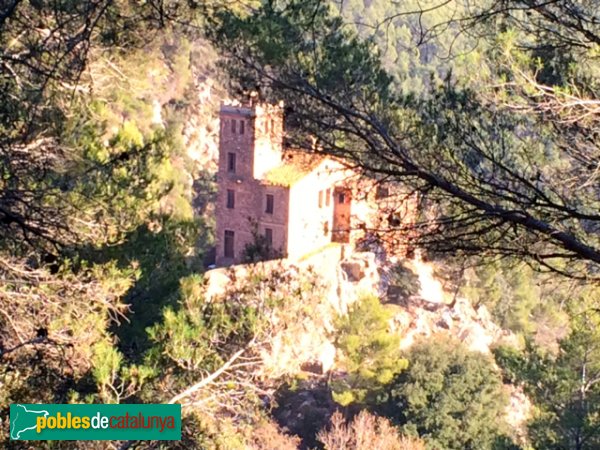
303 217
310 225
249 210
268 138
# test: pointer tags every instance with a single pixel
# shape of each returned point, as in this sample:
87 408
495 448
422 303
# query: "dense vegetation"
488 110
450 396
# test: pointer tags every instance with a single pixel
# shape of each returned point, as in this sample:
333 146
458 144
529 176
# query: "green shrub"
370 352
449 396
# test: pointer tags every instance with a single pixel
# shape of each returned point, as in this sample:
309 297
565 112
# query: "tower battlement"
253 131
251 107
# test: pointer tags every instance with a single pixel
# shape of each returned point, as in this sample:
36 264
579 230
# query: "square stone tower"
250 145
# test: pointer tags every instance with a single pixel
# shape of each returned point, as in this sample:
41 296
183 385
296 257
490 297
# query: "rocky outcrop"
428 311
418 318
345 279
305 328
201 130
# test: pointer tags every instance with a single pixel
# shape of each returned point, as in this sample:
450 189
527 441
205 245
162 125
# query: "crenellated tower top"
254 130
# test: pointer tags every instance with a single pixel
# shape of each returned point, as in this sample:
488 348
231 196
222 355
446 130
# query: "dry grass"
365 432
268 436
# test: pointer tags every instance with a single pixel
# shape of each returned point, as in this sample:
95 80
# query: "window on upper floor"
341 198
266 125
231 162
233 126
327 197
242 126
229 244
230 198
270 204
320 199
382 192
394 220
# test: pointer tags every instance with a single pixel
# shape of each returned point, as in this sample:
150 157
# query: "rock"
304 410
445 321
431 288
396 294
463 309
346 277
312 367
354 270
157 113
483 314
475 337
217 281
327 356
518 411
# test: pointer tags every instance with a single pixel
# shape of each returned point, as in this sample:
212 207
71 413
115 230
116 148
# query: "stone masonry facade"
295 202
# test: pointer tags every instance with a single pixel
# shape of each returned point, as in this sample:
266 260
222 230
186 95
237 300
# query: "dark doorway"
229 243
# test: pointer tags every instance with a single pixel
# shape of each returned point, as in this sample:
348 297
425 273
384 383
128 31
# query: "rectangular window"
382 192
229 243
270 204
242 126
269 236
231 160
230 198
320 199
327 197
233 126
341 198
266 125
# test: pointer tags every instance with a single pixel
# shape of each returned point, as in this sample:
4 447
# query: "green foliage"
116 381
135 161
563 386
227 339
96 212
519 298
275 27
370 352
54 330
107 188
411 45
200 336
201 333
259 249
161 252
448 396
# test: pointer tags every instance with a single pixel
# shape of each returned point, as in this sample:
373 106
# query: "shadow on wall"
260 248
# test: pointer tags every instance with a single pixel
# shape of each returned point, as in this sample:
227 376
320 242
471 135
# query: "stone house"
295 202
